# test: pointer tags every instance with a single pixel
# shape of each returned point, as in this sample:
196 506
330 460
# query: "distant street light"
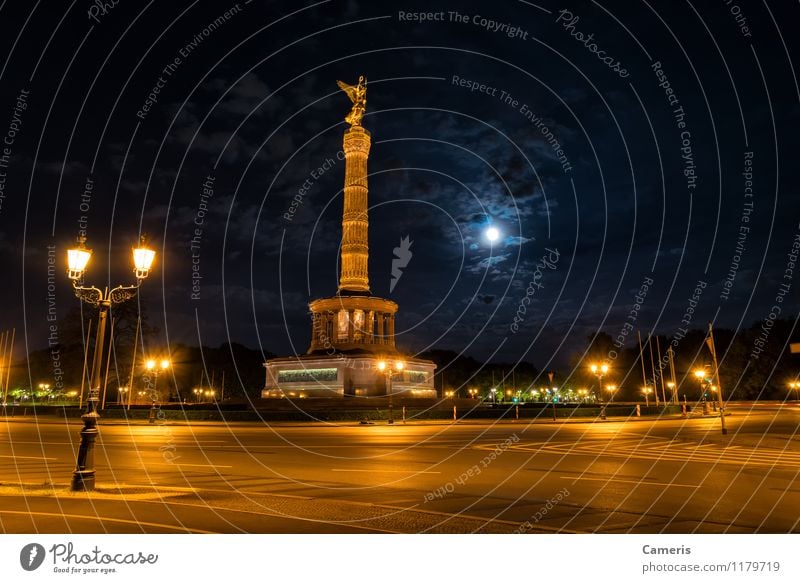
700 375
390 369
83 478
647 391
671 387
600 370
43 388
155 366
611 389
794 385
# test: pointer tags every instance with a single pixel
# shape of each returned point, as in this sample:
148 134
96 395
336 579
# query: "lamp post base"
83 477
83 481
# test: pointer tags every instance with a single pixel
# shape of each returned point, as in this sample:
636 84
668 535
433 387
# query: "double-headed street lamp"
611 389
44 388
77 259
647 391
700 375
154 367
795 386
390 369
600 370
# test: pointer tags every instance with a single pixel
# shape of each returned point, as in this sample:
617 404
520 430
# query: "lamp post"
795 386
83 478
713 397
611 389
600 370
671 386
700 375
646 391
389 369
43 388
121 394
155 367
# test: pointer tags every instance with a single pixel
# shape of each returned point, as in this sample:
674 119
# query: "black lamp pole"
83 478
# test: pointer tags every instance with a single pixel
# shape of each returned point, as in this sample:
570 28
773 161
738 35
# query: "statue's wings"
349 89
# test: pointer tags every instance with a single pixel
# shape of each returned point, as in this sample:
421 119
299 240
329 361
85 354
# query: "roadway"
647 476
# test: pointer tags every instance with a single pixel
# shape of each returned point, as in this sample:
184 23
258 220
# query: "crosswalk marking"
663 449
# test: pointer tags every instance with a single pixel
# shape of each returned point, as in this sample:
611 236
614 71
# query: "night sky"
626 171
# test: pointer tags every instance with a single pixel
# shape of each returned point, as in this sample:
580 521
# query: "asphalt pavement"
619 475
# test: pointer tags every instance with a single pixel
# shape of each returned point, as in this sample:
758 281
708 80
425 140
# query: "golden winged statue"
358 95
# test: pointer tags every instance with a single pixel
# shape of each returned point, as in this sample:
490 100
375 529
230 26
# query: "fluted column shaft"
355 222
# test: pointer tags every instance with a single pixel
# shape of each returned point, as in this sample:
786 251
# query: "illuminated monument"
353 331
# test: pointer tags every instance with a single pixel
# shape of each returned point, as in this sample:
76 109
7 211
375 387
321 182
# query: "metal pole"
3 386
653 366
85 362
716 375
83 479
671 354
641 357
600 391
108 365
661 372
10 357
133 360
152 417
391 406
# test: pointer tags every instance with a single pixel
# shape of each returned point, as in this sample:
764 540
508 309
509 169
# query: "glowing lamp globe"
77 259
143 260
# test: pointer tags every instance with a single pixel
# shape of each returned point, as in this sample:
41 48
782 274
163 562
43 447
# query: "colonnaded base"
353 330
341 375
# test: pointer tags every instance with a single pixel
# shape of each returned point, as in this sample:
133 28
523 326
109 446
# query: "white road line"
25 457
196 465
641 483
372 471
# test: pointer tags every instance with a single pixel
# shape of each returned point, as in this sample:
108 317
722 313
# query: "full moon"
492 234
